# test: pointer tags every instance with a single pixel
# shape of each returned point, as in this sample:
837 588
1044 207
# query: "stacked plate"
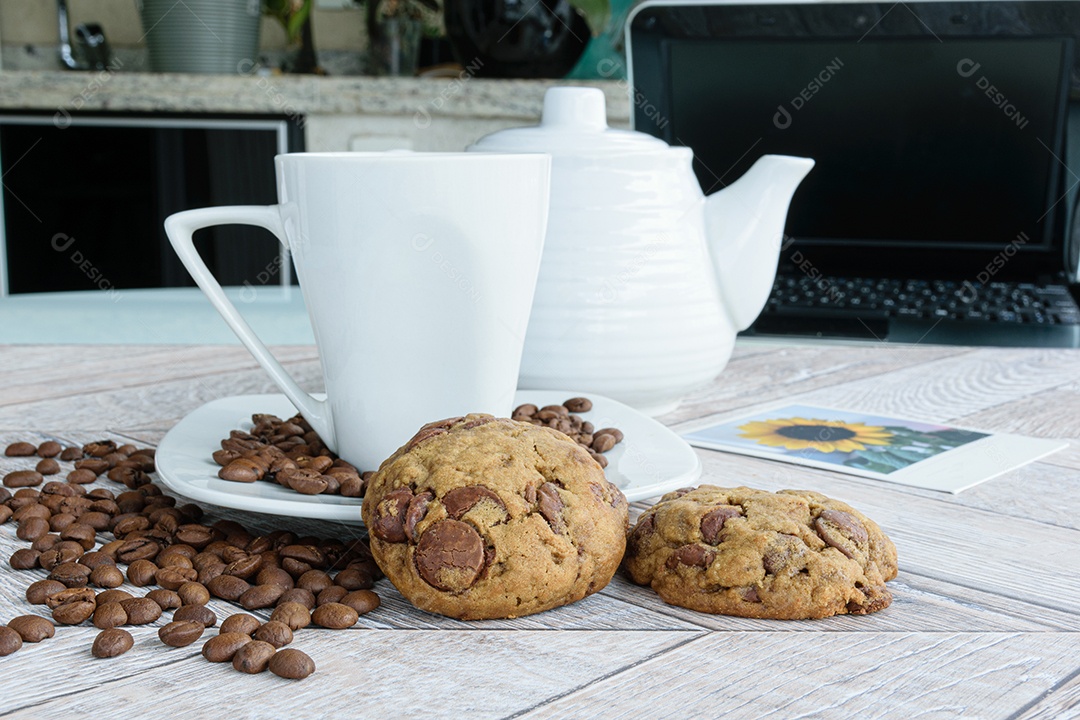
201 36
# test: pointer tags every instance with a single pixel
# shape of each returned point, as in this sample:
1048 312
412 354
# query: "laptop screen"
925 141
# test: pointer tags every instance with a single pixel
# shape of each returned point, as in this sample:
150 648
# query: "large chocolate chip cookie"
737 551
478 517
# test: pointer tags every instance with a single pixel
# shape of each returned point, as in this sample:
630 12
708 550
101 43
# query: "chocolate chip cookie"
478 517
789 555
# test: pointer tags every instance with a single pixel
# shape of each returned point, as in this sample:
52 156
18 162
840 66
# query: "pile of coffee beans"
182 560
290 453
564 419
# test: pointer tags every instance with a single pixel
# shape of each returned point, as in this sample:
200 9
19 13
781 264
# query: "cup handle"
180 227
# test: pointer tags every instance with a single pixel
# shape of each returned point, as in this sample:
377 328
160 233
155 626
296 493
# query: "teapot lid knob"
578 107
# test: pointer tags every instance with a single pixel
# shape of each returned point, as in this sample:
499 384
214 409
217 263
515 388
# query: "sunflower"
824 436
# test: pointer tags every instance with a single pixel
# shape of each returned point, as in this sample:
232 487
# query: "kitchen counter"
985 621
287 94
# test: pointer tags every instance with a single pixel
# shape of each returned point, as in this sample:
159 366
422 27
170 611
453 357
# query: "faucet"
90 40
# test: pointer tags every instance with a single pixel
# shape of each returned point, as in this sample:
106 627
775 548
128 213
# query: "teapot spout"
744 224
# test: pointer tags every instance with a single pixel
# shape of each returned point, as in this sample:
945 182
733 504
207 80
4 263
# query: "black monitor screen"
918 140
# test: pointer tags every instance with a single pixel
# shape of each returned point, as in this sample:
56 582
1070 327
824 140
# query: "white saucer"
650 461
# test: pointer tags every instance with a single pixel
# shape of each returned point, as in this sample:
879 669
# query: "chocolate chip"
462 499
840 530
550 505
416 511
693 555
450 555
713 522
389 523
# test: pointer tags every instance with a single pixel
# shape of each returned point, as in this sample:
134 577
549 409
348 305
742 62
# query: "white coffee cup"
418 272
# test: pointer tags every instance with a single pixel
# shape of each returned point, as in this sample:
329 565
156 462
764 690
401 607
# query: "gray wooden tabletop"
984 623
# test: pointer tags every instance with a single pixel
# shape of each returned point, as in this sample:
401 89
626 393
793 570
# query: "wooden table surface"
984 623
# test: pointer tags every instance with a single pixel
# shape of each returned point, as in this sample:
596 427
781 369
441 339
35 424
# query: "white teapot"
644 281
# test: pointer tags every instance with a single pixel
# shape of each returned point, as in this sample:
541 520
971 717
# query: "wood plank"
866 675
781 372
78 370
1060 702
359 673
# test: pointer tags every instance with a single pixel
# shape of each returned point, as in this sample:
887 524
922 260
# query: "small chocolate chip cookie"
478 517
789 555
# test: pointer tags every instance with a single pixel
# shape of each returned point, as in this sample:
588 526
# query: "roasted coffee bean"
335 616
166 599
603 442
110 615
111 642
94 465
71 453
141 610
242 469
72 574
241 623
299 596
5 514
61 521
334 593
73 613
82 534
193 593
307 481
304 553
355 578
56 555
99 521
578 404
23 478
81 476
228 587
69 595
32 628
20 449
49 449
129 523
210 572
294 567
96 559
253 657
10 641
197 536
47 466
112 596
29 510
141 572
244 568
261 596
171 578
293 614
99 448
181 633
291 664
32 528
314 580
275 576
40 591
362 601
274 632
600 459
222 647
138 549
196 613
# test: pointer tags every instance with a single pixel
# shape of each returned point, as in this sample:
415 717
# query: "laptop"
947 141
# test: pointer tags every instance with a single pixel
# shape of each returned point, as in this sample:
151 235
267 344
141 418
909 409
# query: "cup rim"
406 155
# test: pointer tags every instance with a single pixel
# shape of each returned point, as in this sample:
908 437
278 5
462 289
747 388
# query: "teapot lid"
574 121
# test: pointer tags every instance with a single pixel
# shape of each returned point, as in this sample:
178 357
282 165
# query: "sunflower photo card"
908 452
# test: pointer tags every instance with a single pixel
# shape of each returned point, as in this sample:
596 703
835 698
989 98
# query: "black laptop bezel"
654 24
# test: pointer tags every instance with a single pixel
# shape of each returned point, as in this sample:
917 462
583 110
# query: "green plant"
292 14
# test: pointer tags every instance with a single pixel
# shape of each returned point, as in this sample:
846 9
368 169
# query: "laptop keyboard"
869 299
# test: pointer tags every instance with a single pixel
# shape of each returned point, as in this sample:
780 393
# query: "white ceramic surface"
644 280
650 461
418 271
